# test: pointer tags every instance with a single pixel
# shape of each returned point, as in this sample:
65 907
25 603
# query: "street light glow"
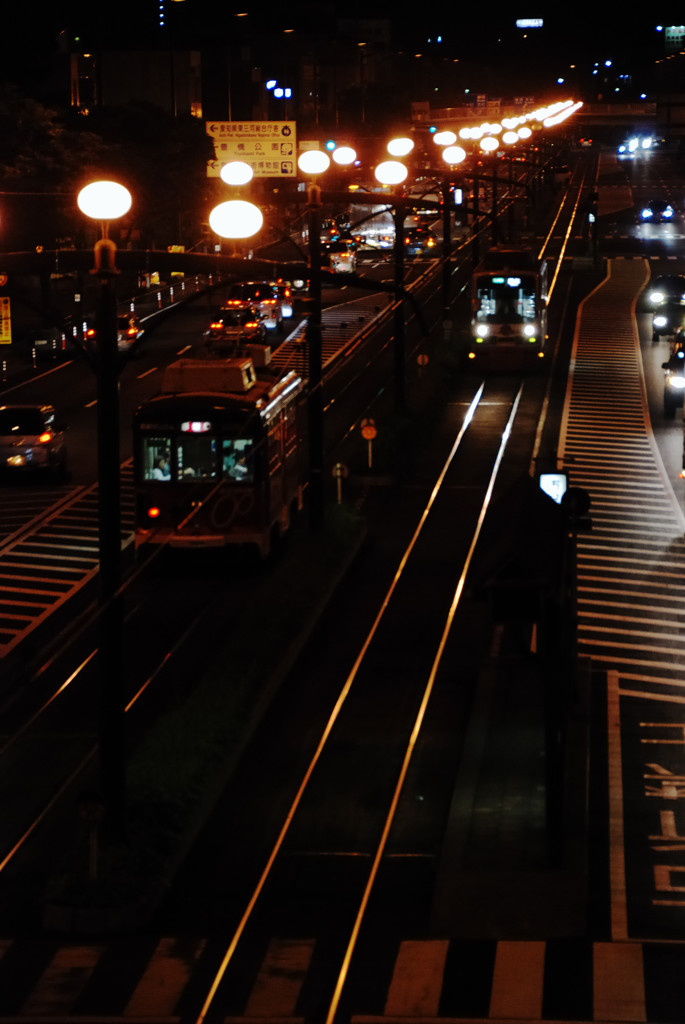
236 172
400 147
453 155
236 218
344 155
104 200
391 172
313 161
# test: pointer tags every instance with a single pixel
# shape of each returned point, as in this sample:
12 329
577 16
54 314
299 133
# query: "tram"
219 456
509 294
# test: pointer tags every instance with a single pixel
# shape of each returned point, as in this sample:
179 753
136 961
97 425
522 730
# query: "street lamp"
105 201
392 172
313 163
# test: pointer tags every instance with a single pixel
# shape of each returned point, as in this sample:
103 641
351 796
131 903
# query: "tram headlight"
677 382
656 297
482 331
530 331
660 321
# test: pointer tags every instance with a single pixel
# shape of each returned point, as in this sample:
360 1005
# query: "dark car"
39 343
674 381
657 211
665 289
234 327
31 439
129 331
420 242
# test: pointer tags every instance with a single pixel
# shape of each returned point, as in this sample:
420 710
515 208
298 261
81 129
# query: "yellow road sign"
269 147
5 321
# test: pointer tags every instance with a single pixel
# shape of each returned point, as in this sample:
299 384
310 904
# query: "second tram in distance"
509 294
219 456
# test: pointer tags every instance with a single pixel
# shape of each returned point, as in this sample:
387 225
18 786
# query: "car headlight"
646 214
668 212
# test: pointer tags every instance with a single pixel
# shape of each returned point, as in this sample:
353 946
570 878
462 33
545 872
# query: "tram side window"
156 458
196 457
237 460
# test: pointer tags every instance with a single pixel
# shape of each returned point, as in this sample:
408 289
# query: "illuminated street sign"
269 147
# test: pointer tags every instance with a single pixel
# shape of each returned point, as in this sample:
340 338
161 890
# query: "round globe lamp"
313 162
391 172
236 172
104 200
344 156
453 155
236 218
400 146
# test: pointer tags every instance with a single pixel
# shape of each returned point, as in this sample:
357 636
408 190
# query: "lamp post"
105 201
392 172
452 156
313 163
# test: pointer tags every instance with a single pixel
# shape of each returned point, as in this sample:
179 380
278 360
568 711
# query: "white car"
31 440
342 257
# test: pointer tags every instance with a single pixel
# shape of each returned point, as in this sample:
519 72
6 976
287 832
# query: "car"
284 290
657 211
31 439
44 343
236 325
674 381
665 289
129 331
636 145
420 242
260 295
667 320
340 256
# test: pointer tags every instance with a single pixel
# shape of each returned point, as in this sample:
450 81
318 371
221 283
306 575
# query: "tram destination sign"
269 147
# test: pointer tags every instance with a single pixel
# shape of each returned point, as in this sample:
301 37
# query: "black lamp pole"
314 356
111 726
399 215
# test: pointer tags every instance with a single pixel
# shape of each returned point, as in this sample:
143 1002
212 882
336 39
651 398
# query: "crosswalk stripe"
63 980
417 979
165 979
517 982
618 979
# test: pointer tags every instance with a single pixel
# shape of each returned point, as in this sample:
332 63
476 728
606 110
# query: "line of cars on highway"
32 438
666 299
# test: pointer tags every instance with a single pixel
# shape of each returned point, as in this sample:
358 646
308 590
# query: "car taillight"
90 333
216 326
45 437
252 323
131 332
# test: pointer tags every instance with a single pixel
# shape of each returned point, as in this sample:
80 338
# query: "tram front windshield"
195 454
505 299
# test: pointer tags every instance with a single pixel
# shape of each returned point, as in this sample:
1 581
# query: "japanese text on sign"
269 147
